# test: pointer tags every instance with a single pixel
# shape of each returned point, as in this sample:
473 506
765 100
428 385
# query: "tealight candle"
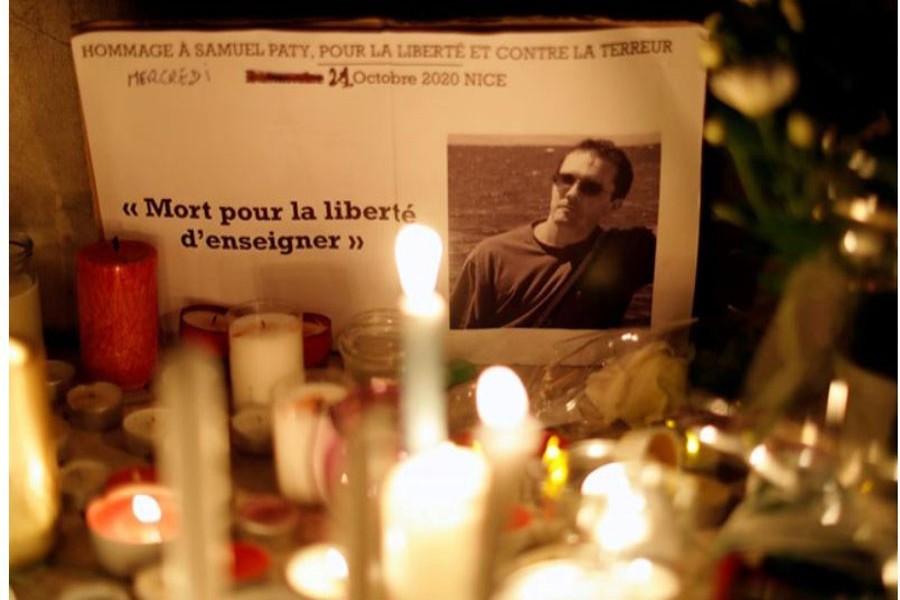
95 406
267 518
432 515
251 430
265 346
318 572
641 579
118 311
556 579
128 525
59 379
206 326
418 252
81 480
141 428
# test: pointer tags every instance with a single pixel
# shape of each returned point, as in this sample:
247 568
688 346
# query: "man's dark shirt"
510 280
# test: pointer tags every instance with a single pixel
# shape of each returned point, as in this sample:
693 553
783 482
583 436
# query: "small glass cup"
372 345
24 292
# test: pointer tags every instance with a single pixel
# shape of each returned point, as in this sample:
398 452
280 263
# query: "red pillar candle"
118 311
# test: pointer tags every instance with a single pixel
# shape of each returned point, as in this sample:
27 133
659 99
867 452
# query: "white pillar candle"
195 462
432 514
508 435
34 500
265 346
418 253
302 436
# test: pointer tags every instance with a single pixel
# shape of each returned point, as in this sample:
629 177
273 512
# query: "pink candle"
129 524
118 311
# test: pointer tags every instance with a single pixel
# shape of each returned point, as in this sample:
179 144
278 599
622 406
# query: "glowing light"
692 444
146 509
837 402
501 398
556 462
417 251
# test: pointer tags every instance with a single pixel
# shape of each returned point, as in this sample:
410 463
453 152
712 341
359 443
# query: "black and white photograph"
552 231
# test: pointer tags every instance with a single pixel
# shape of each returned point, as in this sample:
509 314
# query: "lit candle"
432 514
837 403
418 252
118 311
205 326
508 435
559 579
129 524
265 346
302 436
34 501
641 579
318 572
195 462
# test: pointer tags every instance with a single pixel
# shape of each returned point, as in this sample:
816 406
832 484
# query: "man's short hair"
607 150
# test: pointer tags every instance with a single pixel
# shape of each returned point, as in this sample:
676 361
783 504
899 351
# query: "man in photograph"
565 271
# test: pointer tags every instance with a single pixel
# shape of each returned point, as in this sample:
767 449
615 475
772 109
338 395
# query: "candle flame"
837 402
501 398
145 508
335 564
556 462
417 251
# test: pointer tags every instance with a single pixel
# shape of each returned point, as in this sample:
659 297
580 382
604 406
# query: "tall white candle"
34 500
194 452
508 435
264 348
432 515
418 253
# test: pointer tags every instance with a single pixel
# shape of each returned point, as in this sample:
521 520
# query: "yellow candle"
34 499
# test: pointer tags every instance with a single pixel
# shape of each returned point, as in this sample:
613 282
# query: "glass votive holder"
372 345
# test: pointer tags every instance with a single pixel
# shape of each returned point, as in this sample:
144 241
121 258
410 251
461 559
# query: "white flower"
755 90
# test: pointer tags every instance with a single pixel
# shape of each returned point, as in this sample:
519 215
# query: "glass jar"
800 533
24 294
372 345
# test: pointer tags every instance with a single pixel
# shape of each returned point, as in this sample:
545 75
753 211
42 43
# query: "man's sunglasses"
588 187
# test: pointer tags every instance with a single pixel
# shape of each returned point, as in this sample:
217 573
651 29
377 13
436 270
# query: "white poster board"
268 163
